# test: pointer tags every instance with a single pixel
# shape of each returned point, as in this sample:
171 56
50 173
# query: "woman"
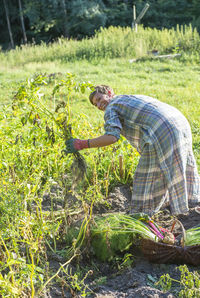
167 170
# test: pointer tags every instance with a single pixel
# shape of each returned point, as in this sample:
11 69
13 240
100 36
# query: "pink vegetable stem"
158 233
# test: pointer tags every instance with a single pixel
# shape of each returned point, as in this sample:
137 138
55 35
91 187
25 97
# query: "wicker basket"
162 253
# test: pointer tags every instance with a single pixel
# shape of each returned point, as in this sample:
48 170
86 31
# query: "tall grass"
113 42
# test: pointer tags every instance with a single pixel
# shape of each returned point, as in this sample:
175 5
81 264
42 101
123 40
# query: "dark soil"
112 280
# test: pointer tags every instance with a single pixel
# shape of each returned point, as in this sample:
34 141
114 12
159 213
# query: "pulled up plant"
192 236
115 233
27 101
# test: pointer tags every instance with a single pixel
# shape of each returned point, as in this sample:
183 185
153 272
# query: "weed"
189 283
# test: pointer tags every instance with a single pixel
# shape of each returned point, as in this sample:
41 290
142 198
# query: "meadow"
44 101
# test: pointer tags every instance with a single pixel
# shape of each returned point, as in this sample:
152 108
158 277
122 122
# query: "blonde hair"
101 89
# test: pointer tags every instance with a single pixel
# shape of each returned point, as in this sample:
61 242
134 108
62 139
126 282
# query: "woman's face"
101 101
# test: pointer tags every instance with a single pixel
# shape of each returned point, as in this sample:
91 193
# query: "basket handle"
183 230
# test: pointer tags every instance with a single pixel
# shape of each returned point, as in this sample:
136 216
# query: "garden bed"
116 279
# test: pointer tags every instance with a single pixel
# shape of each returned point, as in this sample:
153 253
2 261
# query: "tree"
119 13
8 23
165 13
46 20
86 17
195 12
66 31
22 21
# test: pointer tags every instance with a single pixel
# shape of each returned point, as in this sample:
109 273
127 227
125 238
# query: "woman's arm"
102 141
74 145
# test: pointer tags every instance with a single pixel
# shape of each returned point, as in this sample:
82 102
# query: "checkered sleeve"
112 124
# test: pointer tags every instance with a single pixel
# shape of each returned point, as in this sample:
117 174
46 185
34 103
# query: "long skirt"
167 174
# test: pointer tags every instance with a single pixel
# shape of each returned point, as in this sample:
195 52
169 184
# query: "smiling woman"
167 171
101 101
103 94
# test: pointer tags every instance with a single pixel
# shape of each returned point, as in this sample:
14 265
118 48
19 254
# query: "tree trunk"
22 21
8 23
66 33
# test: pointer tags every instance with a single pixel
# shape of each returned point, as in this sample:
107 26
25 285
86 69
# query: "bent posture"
167 170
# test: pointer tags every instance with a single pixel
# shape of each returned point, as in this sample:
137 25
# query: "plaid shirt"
167 169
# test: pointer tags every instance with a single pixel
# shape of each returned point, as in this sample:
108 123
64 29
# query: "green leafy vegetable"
192 236
116 233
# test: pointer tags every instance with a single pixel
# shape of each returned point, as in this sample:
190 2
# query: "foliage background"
47 20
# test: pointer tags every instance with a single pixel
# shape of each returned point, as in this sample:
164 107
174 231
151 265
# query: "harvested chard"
116 233
192 236
163 235
124 223
156 230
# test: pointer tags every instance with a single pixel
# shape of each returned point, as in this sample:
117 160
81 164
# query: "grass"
172 81
31 166
167 79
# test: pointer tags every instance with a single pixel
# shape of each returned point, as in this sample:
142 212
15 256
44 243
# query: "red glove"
74 145
81 144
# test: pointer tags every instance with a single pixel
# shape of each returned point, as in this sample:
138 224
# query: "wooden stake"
121 172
